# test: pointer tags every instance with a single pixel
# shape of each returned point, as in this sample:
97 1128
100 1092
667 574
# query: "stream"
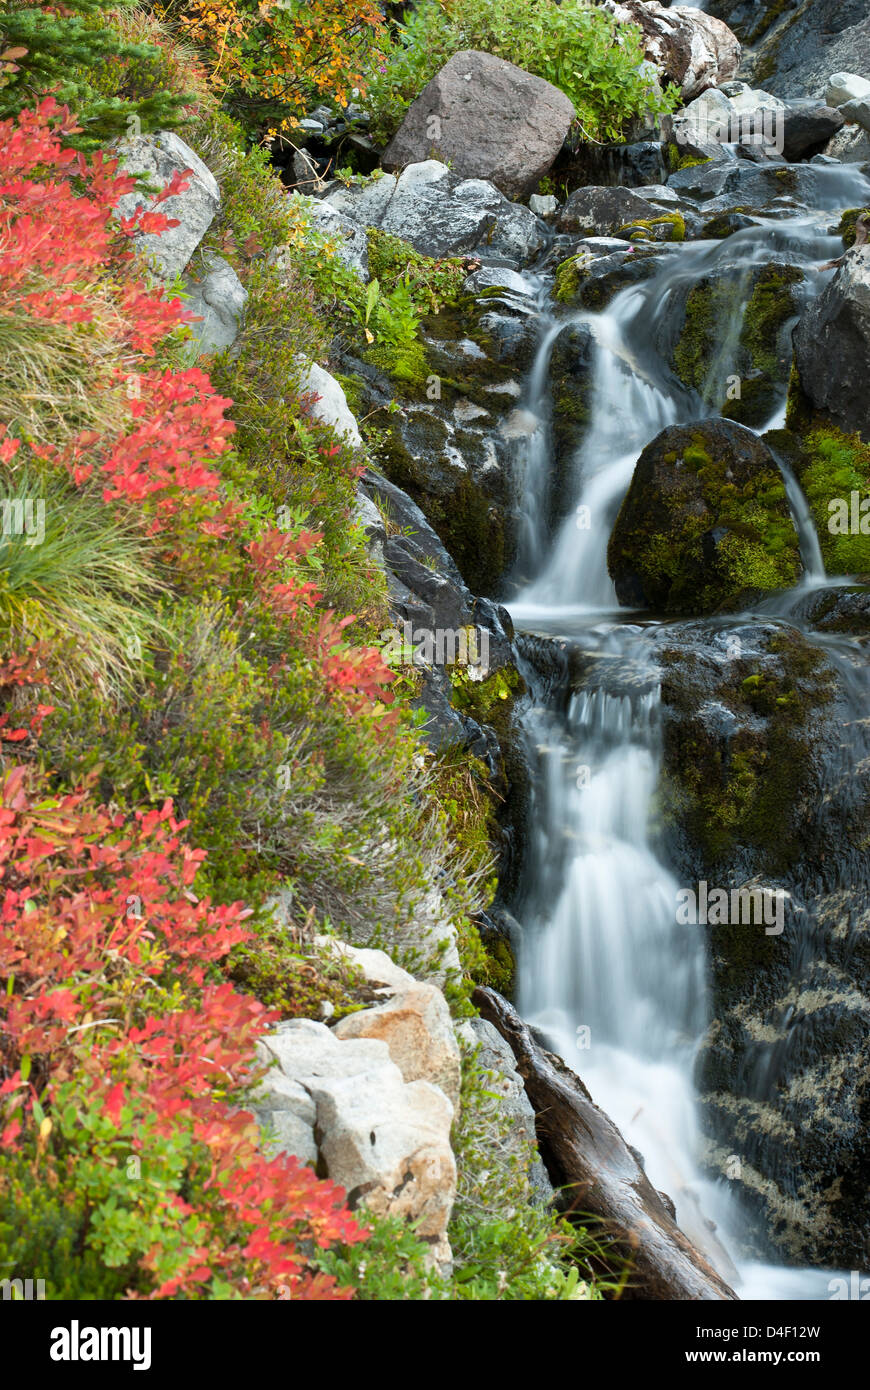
616 986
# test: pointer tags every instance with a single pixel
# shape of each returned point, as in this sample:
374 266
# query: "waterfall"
616 985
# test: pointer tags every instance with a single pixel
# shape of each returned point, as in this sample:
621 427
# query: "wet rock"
157 157
613 165
771 796
571 376
832 343
602 211
491 120
692 49
733 344
807 130
441 214
705 523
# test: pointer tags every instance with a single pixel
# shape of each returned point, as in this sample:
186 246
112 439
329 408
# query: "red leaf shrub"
117 1041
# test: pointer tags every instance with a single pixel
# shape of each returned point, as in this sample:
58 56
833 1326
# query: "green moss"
671 224
434 284
662 535
848 224
740 794
566 281
711 306
831 467
677 161
771 14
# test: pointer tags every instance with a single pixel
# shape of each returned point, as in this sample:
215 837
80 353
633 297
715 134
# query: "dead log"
583 1148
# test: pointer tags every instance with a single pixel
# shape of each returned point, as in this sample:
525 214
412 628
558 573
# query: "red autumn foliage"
108 958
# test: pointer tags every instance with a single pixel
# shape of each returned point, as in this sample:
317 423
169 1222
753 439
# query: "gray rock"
441 214
602 211
351 241
158 157
544 205
489 120
306 178
330 405
497 277
219 300
844 87
832 345
851 145
857 111
495 1056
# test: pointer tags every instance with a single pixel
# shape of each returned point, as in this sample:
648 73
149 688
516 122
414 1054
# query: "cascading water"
606 971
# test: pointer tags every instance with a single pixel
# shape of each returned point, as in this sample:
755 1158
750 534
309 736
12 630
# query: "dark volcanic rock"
764 738
832 346
807 129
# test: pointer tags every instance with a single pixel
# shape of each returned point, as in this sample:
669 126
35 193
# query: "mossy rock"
671 226
833 468
725 224
705 523
848 224
583 283
742 379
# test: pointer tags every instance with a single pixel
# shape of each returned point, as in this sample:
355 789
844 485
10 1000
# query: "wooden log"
583 1149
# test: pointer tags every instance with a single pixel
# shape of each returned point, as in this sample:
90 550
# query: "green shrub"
113 86
582 50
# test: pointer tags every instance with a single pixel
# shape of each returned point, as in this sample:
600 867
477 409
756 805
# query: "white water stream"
616 985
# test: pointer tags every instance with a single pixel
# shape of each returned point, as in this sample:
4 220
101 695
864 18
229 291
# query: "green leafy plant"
593 58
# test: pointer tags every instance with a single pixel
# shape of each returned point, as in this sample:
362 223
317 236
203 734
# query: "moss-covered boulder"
591 282
571 379
833 468
705 523
734 346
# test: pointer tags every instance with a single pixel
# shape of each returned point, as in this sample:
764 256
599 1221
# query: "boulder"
414 1021
602 211
807 130
442 214
329 404
157 158
851 145
487 119
705 523
544 205
857 111
415 1024
832 345
385 1141
692 49
351 240
219 300
844 87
